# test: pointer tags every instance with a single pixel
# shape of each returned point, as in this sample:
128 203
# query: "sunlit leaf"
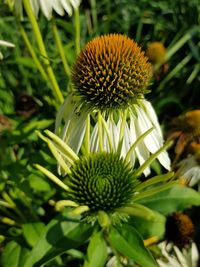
96 252
129 243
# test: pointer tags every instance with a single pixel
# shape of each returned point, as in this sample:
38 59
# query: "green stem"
77 30
41 46
141 138
87 135
100 133
152 158
174 71
52 177
94 15
121 134
60 48
32 52
14 206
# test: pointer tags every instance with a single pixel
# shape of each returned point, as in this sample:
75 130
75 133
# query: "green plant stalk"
60 48
174 71
94 15
13 205
100 133
41 46
180 43
77 30
33 54
147 163
52 177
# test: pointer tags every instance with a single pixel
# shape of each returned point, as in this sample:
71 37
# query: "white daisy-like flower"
47 7
174 257
109 78
190 170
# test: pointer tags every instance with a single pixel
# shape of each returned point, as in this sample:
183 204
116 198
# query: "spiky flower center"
110 72
101 181
179 229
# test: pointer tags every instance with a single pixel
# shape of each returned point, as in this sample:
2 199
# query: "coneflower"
109 79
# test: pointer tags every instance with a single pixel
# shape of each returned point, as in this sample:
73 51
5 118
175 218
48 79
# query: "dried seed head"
179 229
111 72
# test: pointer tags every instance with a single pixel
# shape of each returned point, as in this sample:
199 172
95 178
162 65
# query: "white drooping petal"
174 257
153 140
114 133
94 140
190 170
149 110
5 43
46 7
67 6
57 6
180 257
35 7
75 3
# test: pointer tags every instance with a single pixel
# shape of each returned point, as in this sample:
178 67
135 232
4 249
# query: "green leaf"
96 252
38 183
32 232
174 199
149 228
14 255
127 241
61 234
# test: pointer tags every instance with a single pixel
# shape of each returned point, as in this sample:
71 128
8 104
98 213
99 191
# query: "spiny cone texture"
101 181
111 72
179 229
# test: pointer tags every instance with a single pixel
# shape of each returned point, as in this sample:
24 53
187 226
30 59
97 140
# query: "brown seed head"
111 72
179 229
156 53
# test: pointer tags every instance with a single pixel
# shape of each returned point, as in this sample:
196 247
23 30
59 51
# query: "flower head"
179 229
101 186
156 52
174 257
111 72
109 77
186 130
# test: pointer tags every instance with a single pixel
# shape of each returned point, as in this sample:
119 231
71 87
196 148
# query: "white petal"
35 7
46 7
94 141
67 6
153 140
152 115
5 43
180 257
75 3
57 6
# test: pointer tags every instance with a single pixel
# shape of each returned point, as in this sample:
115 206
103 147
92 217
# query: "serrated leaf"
96 252
61 234
174 199
129 243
